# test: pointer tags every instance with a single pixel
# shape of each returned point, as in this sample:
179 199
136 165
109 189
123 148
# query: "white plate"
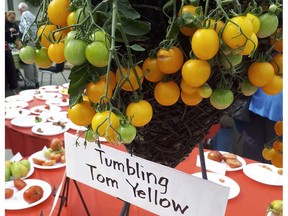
17 202
60 116
48 129
45 109
76 127
27 121
41 155
16 104
51 88
223 162
16 112
58 102
66 85
31 92
222 180
47 96
25 98
64 91
264 173
28 174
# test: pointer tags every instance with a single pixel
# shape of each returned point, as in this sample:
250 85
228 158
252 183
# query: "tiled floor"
46 81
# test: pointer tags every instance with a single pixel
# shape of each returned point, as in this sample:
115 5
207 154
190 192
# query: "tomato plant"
170 60
196 72
56 52
82 113
221 98
255 22
127 132
74 52
167 93
42 59
260 73
191 99
105 123
27 54
97 54
151 70
97 90
268 25
44 31
58 12
231 34
205 43
33 194
275 86
140 113
129 79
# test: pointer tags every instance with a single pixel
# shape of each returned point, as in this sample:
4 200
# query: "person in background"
28 34
11 28
265 111
11 80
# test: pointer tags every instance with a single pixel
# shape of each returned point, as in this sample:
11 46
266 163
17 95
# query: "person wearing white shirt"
28 31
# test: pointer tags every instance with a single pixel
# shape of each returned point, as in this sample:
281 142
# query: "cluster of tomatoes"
219 42
274 152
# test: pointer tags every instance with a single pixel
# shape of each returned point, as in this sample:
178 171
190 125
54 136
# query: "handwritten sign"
154 187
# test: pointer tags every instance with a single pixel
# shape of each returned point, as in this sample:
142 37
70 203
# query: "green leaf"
135 27
137 47
78 81
127 10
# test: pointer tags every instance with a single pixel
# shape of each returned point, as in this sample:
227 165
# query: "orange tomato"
260 73
278 127
130 80
170 61
196 72
82 113
231 34
56 52
188 89
151 70
97 90
251 45
167 93
105 123
191 99
205 43
58 12
140 113
190 9
277 63
274 87
112 79
45 32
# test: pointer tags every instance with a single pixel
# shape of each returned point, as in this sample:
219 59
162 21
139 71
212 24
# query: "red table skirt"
252 199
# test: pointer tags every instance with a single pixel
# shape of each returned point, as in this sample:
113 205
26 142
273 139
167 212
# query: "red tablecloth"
252 199
23 140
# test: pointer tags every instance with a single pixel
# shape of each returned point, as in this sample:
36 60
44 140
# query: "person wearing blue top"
265 111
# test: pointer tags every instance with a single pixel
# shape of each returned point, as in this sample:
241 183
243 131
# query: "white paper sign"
151 186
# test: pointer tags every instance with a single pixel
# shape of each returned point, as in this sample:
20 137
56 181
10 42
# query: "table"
252 199
22 140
